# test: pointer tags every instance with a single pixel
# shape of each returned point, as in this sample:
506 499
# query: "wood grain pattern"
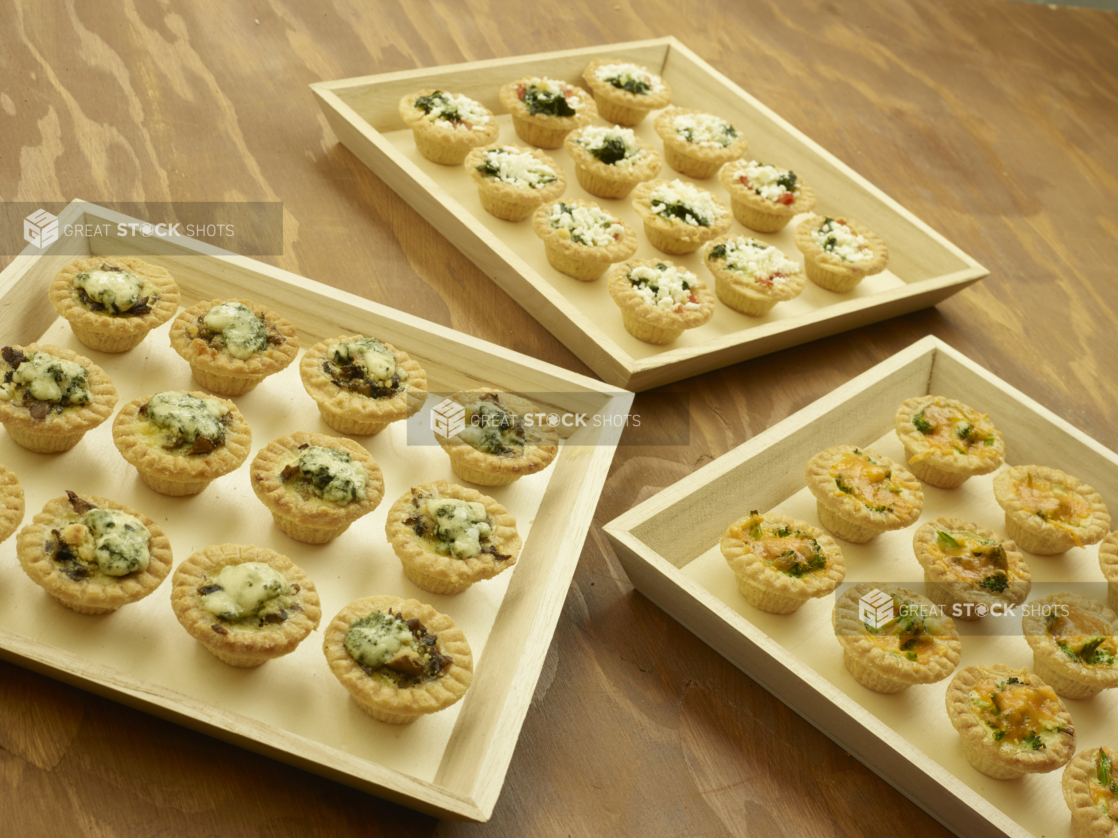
991 120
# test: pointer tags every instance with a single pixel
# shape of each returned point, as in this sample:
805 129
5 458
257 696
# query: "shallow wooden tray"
924 267
669 547
452 763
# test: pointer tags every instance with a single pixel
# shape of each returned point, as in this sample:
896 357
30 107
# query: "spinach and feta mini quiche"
698 144
233 345
245 604
968 569
609 162
544 111
93 554
946 442
1074 645
838 252
893 638
763 197
751 276
780 563
362 384
50 397
447 125
625 92
11 503
1010 721
1048 511
861 493
678 217
398 658
1090 787
502 438
316 485
1108 563
513 181
448 537
581 239
112 302
659 301
180 441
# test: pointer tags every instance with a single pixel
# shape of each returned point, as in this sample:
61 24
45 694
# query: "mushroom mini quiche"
93 554
780 563
765 198
581 239
1048 511
946 442
112 302
659 301
50 397
399 659
1108 562
838 252
1090 787
513 181
544 111
697 144
625 92
893 638
1011 723
11 503
751 276
609 162
447 125
678 217
1073 641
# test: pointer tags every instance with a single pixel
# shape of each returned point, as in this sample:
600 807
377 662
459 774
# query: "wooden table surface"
994 121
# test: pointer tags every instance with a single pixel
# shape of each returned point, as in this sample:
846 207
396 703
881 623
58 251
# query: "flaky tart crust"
674 236
11 503
1038 535
106 332
352 413
389 702
97 593
651 323
689 158
743 294
242 645
580 261
441 574
845 515
829 271
604 180
1080 774
183 474
621 106
510 201
932 464
758 213
1108 563
311 519
1069 678
880 669
545 130
769 589
59 431
485 469
439 141
1003 760
221 372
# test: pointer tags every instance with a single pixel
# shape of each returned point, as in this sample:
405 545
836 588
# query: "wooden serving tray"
669 547
452 763
924 267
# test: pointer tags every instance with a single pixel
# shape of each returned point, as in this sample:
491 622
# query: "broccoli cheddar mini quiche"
1073 641
1048 511
946 442
1090 787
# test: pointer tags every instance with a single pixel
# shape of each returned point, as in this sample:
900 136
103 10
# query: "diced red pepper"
787 199
520 92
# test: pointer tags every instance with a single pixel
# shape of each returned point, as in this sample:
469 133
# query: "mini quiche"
659 301
946 442
1010 721
861 493
625 92
581 239
11 503
180 442
513 181
1048 511
362 384
448 537
780 563
315 486
1090 787
1108 562
838 252
765 198
544 111
93 554
447 125
609 162
398 658
968 569
893 638
233 345
50 397
1074 647
751 276
112 302
245 604
503 437
678 217
697 144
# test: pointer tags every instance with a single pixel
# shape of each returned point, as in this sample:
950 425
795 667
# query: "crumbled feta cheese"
704 130
683 202
519 168
629 77
614 146
585 225
836 238
666 287
765 265
457 110
769 182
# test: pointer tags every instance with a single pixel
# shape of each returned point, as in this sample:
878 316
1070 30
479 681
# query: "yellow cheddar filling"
871 483
785 549
911 634
1085 638
1055 504
1016 712
949 428
971 559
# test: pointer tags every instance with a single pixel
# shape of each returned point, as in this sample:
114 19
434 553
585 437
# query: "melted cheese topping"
188 417
911 634
373 357
246 590
696 206
1054 503
784 549
968 557
518 168
50 379
669 288
836 238
459 525
116 290
1017 714
621 74
765 266
1103 786
376 639
242 332
1084 637
120 541
870 483
589 226
333 475
948 428
704 130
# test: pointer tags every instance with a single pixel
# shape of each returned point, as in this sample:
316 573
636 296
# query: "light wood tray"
668 545
924 267
452 763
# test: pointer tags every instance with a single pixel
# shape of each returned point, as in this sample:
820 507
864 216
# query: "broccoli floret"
923 425
996 583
